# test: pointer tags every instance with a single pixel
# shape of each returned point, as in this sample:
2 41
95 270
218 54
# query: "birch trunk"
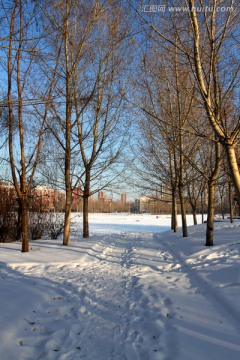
230 201
211 195
233 167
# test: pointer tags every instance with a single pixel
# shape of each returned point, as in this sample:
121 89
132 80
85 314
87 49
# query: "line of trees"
64 66
188 93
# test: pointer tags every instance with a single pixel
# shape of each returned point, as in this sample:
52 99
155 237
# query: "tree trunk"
67 218
193 203
210 215
211 195
202 208
86 194
194 215
234 170
183 210
19 220
25 227
68 109
174 221
230 201
222 209
85 217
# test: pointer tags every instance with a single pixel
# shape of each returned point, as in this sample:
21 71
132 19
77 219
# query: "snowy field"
134 290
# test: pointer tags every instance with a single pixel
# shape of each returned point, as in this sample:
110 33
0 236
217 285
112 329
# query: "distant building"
163 193
147 203
102 196
77 192
77 199
46 199
143 204
43 198
7 188
8 197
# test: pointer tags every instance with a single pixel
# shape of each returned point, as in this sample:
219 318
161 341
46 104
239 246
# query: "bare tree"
167 100
195 187
208 39
155 165
20 56
90 66
216 87
70 35
99 124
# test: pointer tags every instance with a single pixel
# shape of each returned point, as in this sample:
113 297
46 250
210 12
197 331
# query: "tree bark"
230 201
22 190
183 210
68 189
86 194
67 217
233 167
85 217
210 217
193 198
211 195
194 215
25 228
202 211
19 220
174 221
222 209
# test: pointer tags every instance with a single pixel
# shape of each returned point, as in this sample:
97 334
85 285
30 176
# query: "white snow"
132 291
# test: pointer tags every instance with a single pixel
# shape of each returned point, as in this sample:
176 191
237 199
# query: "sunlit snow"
133 290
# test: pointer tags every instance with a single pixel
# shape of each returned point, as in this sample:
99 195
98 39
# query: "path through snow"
131 297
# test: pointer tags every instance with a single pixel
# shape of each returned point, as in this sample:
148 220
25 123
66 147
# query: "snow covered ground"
132 291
